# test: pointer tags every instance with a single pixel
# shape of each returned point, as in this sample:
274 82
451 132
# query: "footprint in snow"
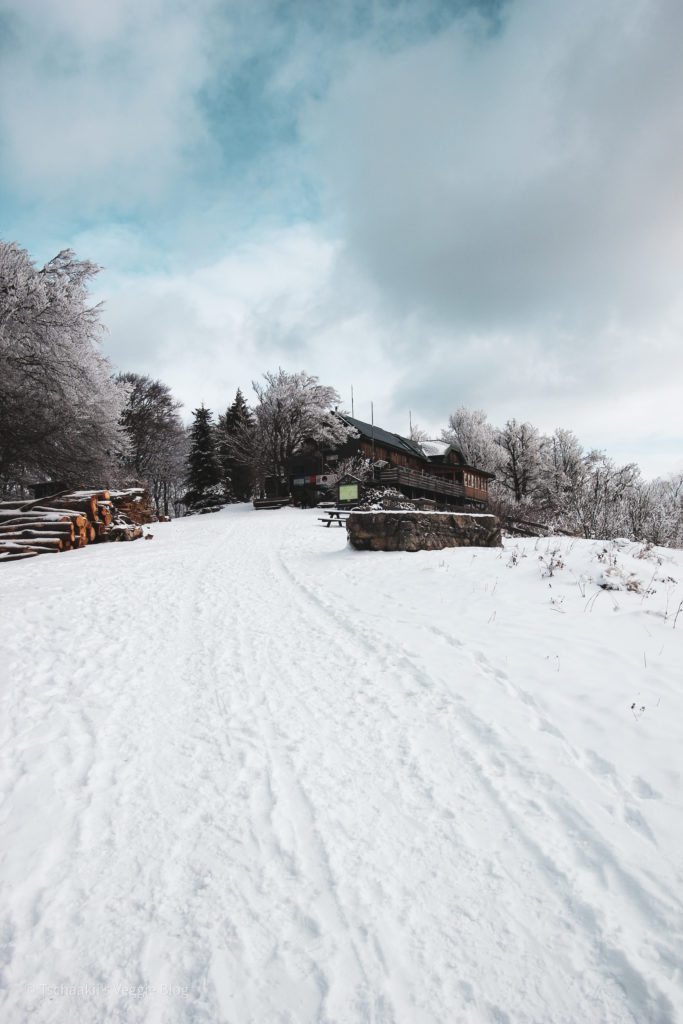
635 820
597 765
545 726
644 790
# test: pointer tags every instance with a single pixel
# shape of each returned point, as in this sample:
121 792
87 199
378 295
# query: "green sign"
348 492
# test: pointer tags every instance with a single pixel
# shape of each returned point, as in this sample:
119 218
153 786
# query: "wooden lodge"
426 469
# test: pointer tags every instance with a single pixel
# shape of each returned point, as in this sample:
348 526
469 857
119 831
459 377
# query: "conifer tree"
237 478
204 471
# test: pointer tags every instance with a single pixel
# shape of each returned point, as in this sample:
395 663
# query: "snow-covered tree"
417 433
358 465
554 481
59 402
149 418
667 521
561 472
599 501
654 511
519 458
203 467
157 443
470 432
167 472
237 420
293 410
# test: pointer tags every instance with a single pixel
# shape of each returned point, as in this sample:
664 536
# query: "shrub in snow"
614 578
386 499
551 563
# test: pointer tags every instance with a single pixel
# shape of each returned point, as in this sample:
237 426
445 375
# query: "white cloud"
272 302
99 101
533 173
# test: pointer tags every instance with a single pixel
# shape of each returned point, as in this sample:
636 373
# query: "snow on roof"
432 448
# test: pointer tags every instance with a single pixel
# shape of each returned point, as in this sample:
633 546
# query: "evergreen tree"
204 471
237 478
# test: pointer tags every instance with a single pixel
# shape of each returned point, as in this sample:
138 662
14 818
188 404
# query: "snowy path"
251 776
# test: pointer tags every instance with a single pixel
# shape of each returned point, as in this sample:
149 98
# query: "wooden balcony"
425 482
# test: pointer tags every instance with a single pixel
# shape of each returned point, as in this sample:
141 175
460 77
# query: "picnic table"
333 516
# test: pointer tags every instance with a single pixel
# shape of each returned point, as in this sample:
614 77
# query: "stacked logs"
64 522
134 504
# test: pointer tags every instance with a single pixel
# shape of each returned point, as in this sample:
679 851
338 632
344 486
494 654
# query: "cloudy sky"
437 202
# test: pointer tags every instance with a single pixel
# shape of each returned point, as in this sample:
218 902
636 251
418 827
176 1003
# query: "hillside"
250 775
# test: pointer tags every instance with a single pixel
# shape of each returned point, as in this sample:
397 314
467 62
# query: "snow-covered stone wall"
421 531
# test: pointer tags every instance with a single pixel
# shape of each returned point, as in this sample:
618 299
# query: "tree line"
551 478
67 416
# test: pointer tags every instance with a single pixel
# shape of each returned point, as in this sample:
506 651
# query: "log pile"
66 521
133 504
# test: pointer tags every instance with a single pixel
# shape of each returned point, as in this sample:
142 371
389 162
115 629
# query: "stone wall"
421 531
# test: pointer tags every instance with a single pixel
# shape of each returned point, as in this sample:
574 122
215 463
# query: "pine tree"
237 478
204 471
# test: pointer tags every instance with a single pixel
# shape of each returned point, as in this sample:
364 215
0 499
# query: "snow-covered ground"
251 775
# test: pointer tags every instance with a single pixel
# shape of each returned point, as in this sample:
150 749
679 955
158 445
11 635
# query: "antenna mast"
372 422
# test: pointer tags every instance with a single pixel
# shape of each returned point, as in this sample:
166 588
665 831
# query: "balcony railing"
422 482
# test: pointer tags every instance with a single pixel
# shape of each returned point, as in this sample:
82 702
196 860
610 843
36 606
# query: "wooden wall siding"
477 493
448 479
394 457
476 486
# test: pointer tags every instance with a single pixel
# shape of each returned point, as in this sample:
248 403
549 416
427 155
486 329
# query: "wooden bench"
271 503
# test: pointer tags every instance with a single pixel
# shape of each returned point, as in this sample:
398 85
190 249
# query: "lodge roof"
424 450
396 441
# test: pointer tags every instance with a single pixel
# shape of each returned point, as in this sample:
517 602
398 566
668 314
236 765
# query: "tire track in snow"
298 845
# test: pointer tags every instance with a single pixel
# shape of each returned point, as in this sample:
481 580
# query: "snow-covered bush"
386 499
